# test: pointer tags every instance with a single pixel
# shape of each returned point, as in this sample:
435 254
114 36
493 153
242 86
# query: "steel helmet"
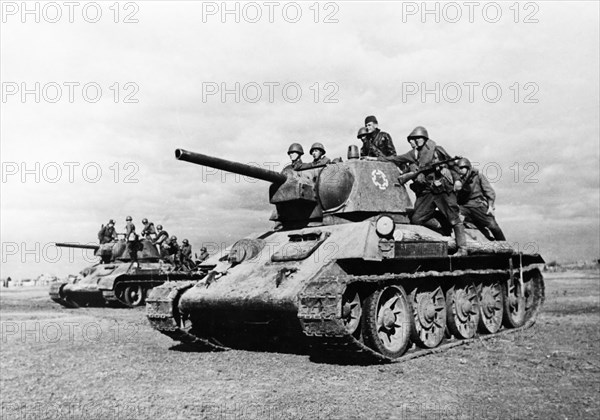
128 218
317 146
296 148
464 162
173 238
185 241
144 220
362 131
419 132
159 227
111 222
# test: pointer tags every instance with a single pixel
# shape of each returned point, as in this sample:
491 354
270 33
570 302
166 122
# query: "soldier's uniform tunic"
378 144
474 199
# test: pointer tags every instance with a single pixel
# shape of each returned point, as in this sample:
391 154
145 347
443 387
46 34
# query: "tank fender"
107 281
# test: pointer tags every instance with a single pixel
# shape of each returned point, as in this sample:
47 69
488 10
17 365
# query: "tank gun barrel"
230 166
81 246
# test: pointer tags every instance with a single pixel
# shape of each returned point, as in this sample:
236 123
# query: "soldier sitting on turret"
317 151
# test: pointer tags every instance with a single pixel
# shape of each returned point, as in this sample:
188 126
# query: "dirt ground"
97 363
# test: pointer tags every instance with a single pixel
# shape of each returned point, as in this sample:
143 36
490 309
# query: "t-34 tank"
345 276
117 280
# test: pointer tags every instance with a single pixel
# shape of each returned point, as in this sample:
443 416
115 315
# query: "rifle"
404 178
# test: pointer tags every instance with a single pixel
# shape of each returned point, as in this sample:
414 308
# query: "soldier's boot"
461 240
496 232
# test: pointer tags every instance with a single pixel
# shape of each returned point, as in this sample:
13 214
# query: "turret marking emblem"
379 179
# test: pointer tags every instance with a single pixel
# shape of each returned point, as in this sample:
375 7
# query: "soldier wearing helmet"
161 239
185 254
203 254
295 152
434 190
148 231
171 250
107 233
377 143
317 150
476 199
362 134
131 238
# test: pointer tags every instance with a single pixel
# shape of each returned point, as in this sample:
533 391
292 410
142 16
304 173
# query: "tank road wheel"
429 312
491 307
134 295
351 310
514 303
463 310
387 321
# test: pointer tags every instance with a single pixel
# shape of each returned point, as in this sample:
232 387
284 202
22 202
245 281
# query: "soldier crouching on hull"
476 200
295 152
148 231
132 239
436 189
161 239
377 143
317 150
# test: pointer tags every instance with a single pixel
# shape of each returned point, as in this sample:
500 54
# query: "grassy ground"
108 363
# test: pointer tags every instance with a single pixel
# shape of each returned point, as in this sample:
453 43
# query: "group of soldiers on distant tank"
167 247
446 194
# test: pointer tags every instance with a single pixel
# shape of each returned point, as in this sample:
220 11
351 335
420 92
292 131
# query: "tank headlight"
385 226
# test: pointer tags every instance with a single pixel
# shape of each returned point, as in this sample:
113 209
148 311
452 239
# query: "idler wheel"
134 295
463 310
429 312
514 303
387 321
351 310
491 307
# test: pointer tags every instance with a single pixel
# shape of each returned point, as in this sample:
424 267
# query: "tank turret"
335 193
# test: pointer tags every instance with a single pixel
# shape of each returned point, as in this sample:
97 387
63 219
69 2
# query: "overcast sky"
521 99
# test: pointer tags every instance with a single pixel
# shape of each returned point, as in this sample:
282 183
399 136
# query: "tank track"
163 313
320 304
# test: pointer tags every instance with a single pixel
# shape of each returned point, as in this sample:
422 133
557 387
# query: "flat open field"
101 363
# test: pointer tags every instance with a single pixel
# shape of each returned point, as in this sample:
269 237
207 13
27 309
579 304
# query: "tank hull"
293 294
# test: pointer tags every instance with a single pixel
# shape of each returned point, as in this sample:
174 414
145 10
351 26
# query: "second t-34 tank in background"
345 275
117 280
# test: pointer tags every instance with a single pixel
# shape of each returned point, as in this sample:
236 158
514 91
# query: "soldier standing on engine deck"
377 143
436 189
476 200
131 238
